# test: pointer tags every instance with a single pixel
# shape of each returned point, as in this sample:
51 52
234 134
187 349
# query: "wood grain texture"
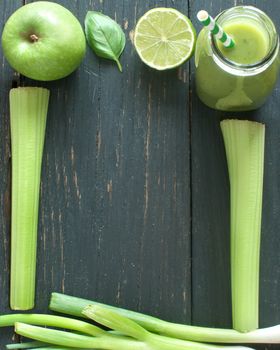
115 207
134 193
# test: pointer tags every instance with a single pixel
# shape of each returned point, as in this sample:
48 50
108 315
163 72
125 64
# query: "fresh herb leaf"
104 36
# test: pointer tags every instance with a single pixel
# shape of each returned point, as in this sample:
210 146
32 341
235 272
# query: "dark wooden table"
135 193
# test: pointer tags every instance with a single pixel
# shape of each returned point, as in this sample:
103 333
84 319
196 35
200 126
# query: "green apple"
43 41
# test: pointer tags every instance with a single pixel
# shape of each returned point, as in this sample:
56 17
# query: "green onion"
31 345
74 306
35 345
67 339
114 342
244 143
113 320
51 321
28 109
54 348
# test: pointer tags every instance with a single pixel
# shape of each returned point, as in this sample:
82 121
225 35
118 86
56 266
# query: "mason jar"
226 84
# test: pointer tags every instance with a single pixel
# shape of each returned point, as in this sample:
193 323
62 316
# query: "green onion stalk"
35 345
74 306
134 336
52 321
29 345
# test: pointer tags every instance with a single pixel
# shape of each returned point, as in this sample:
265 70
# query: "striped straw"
215 29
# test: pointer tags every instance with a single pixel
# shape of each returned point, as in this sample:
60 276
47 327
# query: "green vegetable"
244 143
31 345
28 108
124 325
113 320
75 306
49 348
54 348
51 321
67 339
36 345
137 337
104 36
45 348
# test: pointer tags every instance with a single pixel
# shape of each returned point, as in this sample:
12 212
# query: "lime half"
164 38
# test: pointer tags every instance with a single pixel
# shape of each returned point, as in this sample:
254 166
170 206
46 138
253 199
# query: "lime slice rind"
164 38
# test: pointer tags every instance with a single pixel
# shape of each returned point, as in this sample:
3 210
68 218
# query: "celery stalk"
28 109
244 144
75 306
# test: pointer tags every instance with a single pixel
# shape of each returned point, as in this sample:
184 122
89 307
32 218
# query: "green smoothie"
239 78
251 42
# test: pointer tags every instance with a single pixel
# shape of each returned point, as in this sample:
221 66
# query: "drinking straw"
210 23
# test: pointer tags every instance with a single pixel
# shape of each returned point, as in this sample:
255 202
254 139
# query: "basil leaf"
104 36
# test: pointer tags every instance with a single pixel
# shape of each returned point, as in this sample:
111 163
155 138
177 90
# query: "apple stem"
34 37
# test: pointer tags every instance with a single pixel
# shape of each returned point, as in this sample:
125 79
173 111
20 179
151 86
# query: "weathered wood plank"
115 208
148 125
211 304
